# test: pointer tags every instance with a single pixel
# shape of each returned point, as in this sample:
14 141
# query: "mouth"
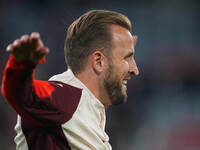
124 84
125 81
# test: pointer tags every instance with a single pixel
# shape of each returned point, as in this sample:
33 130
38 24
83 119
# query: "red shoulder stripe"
43 89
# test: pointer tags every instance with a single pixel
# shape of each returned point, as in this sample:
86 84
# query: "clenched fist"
28 48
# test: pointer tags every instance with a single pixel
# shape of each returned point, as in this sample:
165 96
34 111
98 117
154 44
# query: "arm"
34 100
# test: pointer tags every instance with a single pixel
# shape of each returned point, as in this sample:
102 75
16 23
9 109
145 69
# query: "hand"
28 48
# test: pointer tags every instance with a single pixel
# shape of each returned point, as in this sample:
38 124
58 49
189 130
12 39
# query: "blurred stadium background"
163 108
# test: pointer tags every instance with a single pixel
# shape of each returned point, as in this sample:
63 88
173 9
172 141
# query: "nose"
133 69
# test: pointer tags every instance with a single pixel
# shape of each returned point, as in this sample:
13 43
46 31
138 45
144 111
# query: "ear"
135 39
98 61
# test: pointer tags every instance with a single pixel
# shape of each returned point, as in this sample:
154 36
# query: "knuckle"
24 37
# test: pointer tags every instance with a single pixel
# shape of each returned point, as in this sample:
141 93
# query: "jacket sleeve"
43 103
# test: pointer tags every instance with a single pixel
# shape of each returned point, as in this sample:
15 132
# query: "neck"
95 85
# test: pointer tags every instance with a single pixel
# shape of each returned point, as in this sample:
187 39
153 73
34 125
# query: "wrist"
24 64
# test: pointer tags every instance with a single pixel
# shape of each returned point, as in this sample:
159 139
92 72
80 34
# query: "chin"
119 99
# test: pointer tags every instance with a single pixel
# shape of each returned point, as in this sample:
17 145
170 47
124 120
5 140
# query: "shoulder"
64 77
64 89
66 97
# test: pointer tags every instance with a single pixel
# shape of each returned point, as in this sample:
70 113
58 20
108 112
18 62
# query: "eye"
129 58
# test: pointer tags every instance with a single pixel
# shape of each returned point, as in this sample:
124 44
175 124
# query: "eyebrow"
130 54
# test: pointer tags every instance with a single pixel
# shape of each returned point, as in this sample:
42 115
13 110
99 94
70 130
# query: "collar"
68 77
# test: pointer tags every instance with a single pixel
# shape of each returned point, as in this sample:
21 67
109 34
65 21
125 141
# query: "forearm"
17 85
15 75
33 100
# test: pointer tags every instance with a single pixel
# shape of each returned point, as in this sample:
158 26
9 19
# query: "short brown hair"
91 32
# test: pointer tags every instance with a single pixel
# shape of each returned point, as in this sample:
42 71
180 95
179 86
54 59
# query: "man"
68 111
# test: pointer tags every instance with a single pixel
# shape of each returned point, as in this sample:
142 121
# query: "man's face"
121 65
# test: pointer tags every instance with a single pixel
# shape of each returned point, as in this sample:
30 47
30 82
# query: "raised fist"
28 48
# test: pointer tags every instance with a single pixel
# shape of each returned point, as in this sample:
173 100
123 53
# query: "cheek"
125 66
122 69
126 63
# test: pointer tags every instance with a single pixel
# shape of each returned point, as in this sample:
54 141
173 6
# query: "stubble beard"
114 87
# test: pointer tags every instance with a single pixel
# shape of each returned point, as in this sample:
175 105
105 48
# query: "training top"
59 114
